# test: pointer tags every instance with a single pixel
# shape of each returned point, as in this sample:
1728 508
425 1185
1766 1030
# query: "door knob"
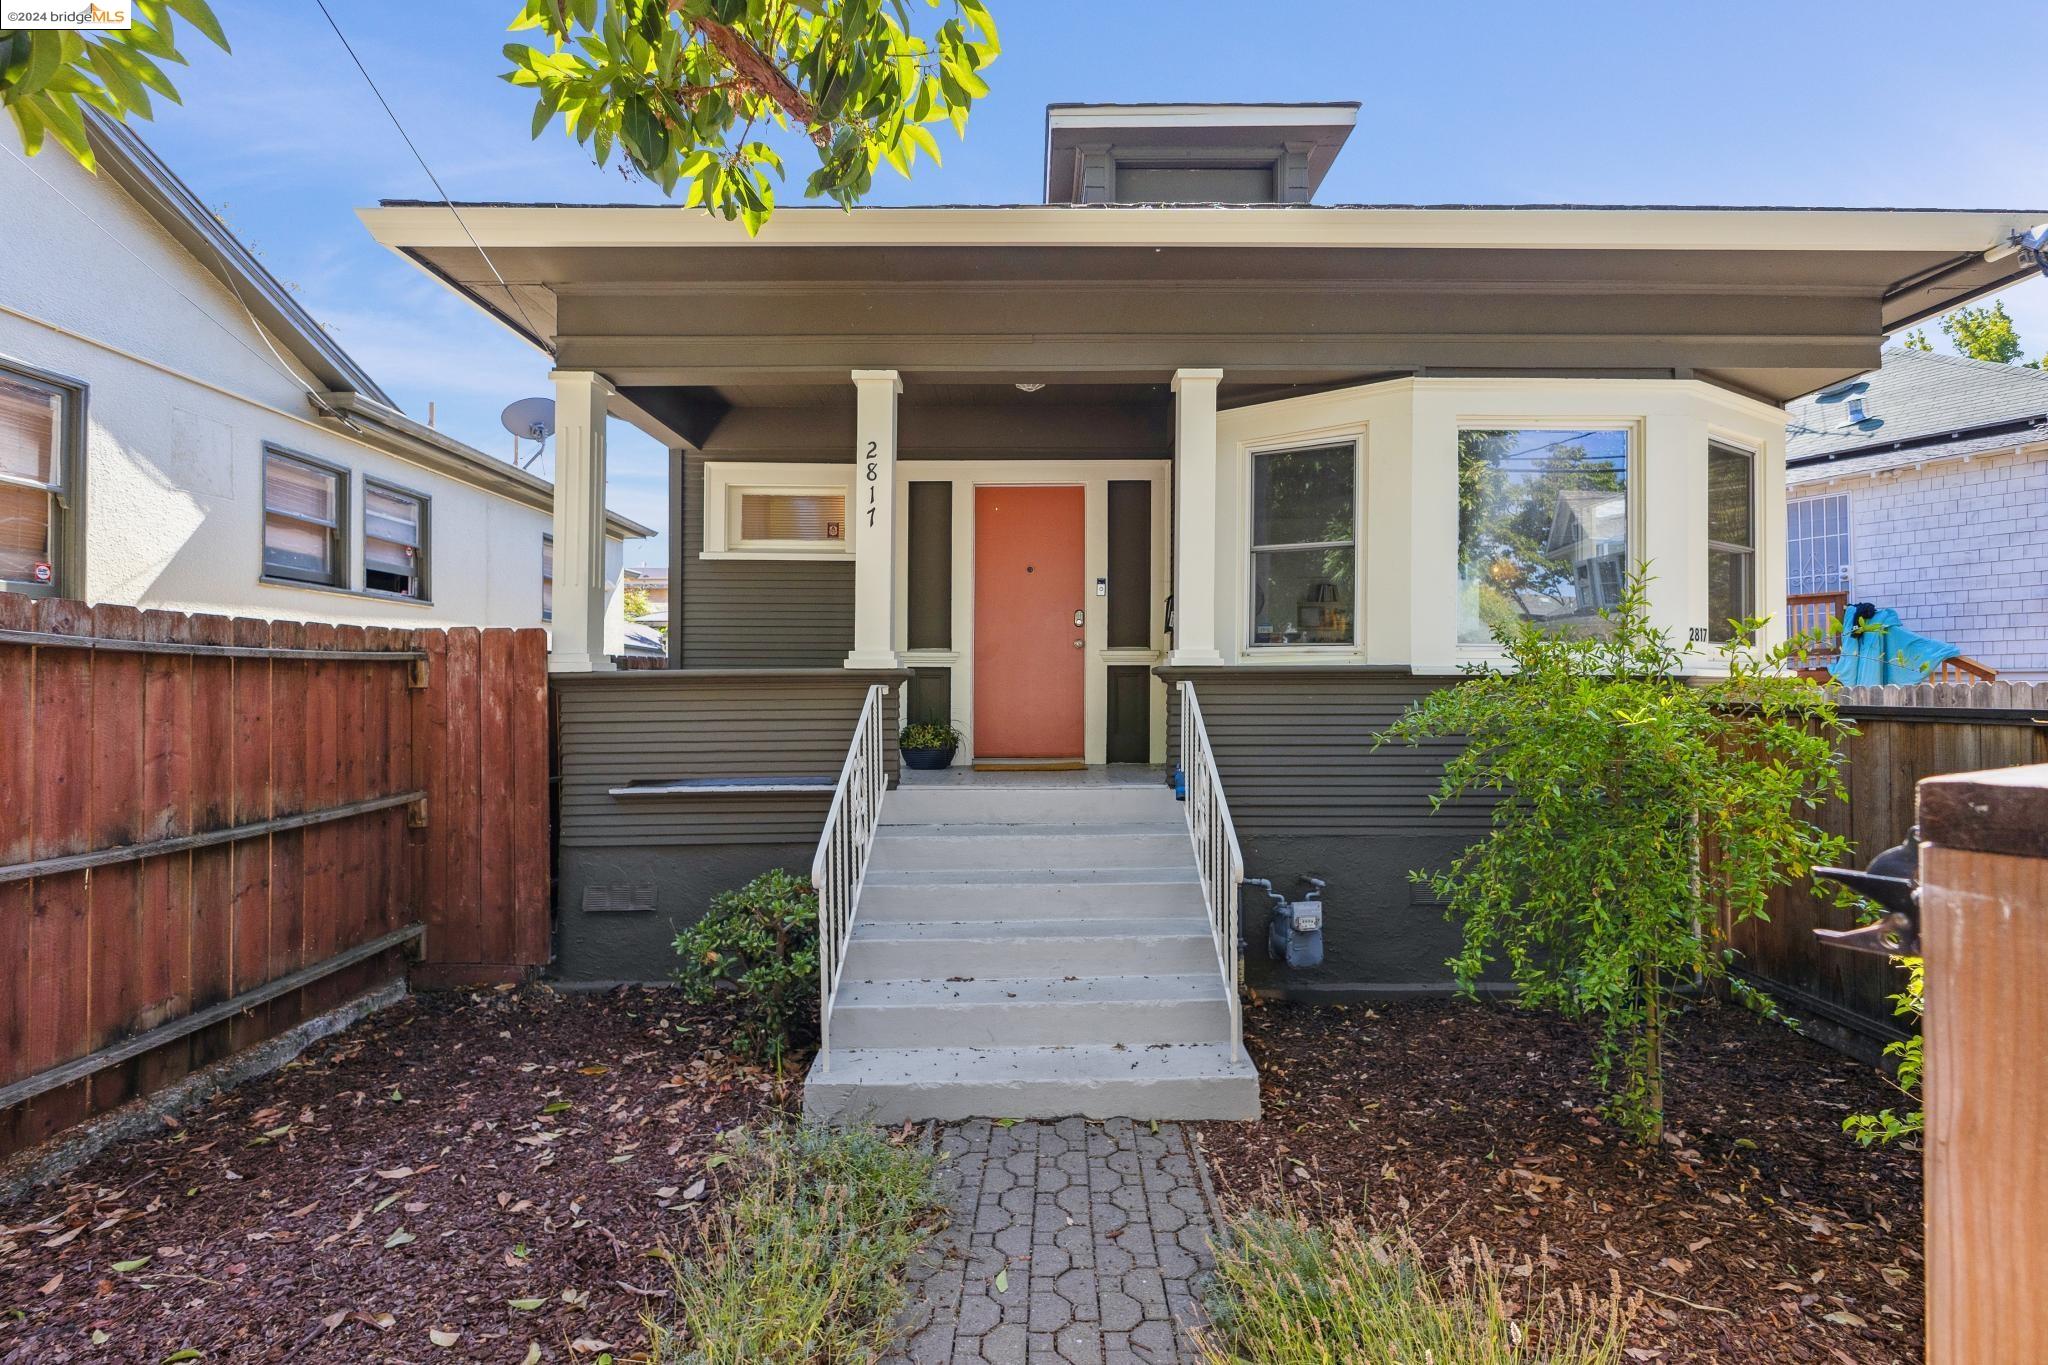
1078 618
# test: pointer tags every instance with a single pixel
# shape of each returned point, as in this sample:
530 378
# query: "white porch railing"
1217 854
842 860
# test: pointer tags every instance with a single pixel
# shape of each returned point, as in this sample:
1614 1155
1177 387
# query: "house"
1923 486
1176 469
177 432
651 584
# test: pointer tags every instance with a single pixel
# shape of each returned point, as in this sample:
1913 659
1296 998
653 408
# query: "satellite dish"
1855 389
529 419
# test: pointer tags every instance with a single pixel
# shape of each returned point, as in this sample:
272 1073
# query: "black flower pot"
929 760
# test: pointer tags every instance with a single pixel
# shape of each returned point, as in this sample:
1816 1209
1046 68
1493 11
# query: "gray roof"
1933 406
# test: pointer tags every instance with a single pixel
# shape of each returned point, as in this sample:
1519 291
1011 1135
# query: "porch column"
872 513
581 399
1196 522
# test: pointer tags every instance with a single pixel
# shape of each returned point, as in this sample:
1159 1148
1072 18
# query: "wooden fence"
213 828
1905 734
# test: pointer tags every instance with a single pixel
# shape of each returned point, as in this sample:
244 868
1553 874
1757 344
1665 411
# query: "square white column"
872 513
582 399
1197 519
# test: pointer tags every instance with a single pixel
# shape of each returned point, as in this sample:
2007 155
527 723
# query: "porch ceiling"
1774 302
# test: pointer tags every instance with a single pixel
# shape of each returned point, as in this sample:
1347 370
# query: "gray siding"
1294 746
673 854
613 729
759 613
1311 797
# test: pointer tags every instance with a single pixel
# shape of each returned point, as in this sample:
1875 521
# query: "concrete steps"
1031 950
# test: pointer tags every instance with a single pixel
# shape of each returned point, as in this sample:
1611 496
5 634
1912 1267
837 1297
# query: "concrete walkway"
1097 1231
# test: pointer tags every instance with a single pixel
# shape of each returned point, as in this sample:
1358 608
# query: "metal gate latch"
1893 881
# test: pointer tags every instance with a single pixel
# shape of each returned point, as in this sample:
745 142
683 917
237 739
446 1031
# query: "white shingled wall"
1959 548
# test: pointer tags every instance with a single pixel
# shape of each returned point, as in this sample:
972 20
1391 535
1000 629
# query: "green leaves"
687 90
757 949
49 77
1636 814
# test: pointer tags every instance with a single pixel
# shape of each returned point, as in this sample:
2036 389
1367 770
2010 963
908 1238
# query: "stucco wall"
1960 550
184 391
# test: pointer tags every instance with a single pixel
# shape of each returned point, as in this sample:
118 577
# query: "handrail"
841 863
1218 856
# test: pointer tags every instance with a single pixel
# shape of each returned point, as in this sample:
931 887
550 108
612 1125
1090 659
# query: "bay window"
1543 527
35 437
1304 550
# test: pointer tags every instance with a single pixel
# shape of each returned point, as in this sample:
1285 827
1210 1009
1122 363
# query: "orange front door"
1029 583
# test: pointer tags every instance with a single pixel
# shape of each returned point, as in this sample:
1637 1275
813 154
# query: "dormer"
1191 153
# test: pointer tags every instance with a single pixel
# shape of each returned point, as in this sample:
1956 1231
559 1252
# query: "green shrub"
1888 1125
1647 810
928 736
756 950
1289 1292
805 1261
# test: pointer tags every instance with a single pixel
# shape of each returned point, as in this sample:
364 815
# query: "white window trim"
1474 651
1355 436
724 483
1848 577
1755 547
547 576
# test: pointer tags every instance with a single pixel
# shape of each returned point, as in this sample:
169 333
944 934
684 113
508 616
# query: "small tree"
1637 809
756 950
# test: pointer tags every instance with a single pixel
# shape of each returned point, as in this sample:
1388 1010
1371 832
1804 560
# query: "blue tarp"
1879 650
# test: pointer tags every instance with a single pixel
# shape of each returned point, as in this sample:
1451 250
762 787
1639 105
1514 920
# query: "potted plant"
927 747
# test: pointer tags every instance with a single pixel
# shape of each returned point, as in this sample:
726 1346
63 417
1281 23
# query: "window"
302 504
1542 527
394 541
1817 545
547 577
35 439
792 520
1304 551
1731 539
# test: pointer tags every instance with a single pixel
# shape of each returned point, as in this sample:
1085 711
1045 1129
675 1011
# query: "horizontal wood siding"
759 613
621 728
1295 749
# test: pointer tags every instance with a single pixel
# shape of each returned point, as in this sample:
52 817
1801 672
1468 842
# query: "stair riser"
1223 1098
957 901
890 960
1046 806
1134 1023
896 852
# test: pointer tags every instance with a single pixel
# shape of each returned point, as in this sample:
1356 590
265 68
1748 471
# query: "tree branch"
756 68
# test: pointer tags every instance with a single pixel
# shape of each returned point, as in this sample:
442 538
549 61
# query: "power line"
531 330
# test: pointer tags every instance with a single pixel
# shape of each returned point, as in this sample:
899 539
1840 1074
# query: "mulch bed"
1758 1233
496 1166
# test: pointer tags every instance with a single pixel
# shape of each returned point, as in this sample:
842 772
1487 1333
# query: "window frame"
1632 429
1298 444
342 578
424 577
67 493
547 575
725 484
1719 632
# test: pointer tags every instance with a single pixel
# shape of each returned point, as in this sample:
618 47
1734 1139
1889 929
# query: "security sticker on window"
42 572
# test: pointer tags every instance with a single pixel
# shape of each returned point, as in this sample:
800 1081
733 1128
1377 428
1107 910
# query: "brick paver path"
1099 1232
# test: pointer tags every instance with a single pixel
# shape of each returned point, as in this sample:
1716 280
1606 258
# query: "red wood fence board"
112 749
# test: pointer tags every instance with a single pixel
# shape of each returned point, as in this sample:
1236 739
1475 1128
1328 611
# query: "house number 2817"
874 476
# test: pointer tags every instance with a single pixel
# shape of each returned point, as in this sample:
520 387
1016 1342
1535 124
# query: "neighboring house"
1923 486
177 432
653 584
1030 468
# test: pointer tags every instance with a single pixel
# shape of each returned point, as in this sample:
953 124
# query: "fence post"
1984 936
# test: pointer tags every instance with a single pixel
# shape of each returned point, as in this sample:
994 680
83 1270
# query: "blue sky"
1735 103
